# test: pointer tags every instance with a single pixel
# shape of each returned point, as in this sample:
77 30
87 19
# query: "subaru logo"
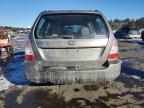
71 42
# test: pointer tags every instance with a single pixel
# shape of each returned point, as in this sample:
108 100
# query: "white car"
134 33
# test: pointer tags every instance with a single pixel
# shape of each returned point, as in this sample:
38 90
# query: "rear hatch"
71 40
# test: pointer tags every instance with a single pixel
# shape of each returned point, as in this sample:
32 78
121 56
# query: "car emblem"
71 42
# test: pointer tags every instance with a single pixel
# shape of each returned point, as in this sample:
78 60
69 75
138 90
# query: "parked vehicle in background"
142 35
134 33
6 50
121 33
62 50
128 33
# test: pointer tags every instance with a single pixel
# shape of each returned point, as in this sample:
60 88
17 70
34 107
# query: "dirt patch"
91 87
42 97
75 96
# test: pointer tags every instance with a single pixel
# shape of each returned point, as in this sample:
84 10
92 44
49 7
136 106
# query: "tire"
10 52
142 35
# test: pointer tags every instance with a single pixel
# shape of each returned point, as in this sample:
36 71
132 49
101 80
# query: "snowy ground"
126 91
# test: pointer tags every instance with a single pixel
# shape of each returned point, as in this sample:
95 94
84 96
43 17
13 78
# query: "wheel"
10 52
142 37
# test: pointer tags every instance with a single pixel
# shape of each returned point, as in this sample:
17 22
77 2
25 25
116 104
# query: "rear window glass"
71 26
134 31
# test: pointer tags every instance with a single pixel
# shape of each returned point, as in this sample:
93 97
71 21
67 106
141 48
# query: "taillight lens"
113 56
30 58
29 55
114 51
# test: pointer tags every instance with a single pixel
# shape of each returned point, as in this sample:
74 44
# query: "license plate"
3 49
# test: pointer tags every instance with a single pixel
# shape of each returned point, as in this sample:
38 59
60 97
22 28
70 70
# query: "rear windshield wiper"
67 37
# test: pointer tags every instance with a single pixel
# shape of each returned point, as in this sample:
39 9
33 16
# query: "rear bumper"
134 36
72 76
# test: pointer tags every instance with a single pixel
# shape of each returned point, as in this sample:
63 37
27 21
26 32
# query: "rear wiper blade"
67 37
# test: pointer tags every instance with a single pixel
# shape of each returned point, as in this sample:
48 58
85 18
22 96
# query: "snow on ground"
4 83
12 73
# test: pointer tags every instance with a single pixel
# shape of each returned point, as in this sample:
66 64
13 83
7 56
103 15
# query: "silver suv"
71 47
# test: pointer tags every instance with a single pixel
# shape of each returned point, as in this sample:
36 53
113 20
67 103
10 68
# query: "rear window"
71 26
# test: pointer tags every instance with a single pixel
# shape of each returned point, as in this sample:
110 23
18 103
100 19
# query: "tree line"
12 28
116 23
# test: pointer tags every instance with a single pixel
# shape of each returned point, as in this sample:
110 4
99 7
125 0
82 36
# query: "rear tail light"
113 56
30 58
29 55
114 51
